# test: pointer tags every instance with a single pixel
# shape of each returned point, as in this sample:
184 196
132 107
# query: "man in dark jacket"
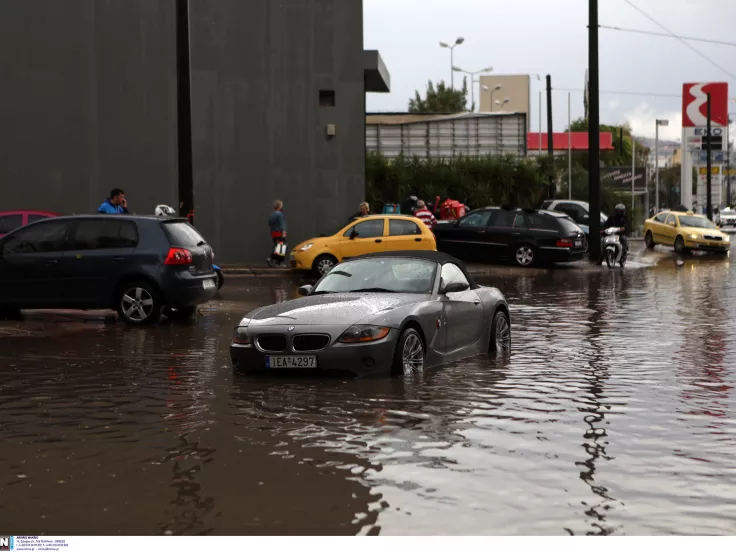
619 220
277 227
410 203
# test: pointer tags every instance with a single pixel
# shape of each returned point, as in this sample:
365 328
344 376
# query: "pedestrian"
116 204
424 214
364 209
277 226
410 203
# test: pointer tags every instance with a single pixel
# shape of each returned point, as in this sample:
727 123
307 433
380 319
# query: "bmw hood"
338 309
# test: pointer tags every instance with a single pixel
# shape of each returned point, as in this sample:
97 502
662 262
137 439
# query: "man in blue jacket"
116 204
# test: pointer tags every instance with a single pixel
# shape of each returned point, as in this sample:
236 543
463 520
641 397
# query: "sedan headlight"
305 247
694 236
241 337
363 334
726 238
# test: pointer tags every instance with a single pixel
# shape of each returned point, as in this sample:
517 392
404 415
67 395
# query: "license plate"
578 243
208 284
292 361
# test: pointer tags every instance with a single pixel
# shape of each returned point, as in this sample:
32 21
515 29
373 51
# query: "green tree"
441 99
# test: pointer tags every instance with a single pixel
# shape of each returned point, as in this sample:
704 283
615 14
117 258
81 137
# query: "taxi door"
364 237
670 229
406 235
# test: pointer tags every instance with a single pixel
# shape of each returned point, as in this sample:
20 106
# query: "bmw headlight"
363 334
305 247
241 337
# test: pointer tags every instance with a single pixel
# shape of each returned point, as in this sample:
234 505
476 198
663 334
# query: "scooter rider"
619 220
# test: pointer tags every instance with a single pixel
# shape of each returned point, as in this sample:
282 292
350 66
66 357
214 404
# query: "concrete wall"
88 103
258 129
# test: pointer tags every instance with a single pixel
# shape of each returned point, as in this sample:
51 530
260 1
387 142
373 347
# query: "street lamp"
472 79
492 90
500 103
658 123
459 40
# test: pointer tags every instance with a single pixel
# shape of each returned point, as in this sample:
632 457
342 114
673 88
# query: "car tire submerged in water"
500 341
680 245
184 313
649 240
138 303
524 255
323 264
409 355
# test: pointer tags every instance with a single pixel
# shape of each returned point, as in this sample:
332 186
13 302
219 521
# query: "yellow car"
685 231
369 234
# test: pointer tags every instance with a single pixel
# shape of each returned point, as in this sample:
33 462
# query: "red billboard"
695 99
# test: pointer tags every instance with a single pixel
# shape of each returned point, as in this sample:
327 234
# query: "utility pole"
708 163
184 108
550 136
594 136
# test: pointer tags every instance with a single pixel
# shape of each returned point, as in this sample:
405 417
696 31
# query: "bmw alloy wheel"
412 356
137 304
524 255
502 336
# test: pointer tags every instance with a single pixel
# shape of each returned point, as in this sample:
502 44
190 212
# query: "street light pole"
708 163
658 123
594 136
569 150
472 79
459 40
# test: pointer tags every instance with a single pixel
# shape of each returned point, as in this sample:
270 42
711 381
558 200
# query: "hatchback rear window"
182 234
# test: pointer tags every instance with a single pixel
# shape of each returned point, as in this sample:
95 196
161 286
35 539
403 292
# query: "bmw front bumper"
359 359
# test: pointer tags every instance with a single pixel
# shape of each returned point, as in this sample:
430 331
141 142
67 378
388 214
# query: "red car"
10 220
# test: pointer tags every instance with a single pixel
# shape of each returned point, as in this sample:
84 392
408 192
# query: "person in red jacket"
424 214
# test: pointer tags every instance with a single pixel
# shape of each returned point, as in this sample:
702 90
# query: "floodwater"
615 414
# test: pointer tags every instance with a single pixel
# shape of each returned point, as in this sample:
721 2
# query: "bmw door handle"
477 302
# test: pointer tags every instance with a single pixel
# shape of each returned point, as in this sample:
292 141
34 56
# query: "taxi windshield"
696 222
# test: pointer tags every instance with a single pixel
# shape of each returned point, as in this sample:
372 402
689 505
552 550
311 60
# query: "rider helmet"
164 211
620 208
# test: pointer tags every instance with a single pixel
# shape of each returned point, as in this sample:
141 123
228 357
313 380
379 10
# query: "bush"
476 181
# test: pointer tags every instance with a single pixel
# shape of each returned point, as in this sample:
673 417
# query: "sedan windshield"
696 222
379 275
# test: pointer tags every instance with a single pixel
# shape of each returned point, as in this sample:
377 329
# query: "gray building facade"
91 101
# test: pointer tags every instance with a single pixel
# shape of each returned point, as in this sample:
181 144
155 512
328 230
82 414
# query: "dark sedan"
524 236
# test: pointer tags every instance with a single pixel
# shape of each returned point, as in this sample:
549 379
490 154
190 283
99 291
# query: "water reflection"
612 415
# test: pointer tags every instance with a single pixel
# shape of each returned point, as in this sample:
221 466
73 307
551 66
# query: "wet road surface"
613 415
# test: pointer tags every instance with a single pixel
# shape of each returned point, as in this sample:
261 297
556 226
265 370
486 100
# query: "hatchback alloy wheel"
137 304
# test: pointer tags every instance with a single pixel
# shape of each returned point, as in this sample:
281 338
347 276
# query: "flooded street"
615 414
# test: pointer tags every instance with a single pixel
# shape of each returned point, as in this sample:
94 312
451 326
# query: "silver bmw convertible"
386 313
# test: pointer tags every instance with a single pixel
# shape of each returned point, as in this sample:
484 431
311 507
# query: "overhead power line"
673 35
653 33
624 92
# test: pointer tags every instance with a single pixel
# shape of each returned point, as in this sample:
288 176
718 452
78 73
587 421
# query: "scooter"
612 248
167 211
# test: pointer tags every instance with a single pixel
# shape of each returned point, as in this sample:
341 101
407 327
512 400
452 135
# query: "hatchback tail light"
178 256
564 243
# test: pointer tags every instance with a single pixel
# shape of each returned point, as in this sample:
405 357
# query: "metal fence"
469 135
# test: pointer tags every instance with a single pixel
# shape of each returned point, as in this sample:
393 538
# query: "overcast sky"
550 37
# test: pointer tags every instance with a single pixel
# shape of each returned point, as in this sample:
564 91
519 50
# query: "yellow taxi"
685 231
369 234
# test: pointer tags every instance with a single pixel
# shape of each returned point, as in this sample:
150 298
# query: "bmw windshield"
379 275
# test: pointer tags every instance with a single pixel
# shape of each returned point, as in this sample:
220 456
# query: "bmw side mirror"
455 287
305 290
